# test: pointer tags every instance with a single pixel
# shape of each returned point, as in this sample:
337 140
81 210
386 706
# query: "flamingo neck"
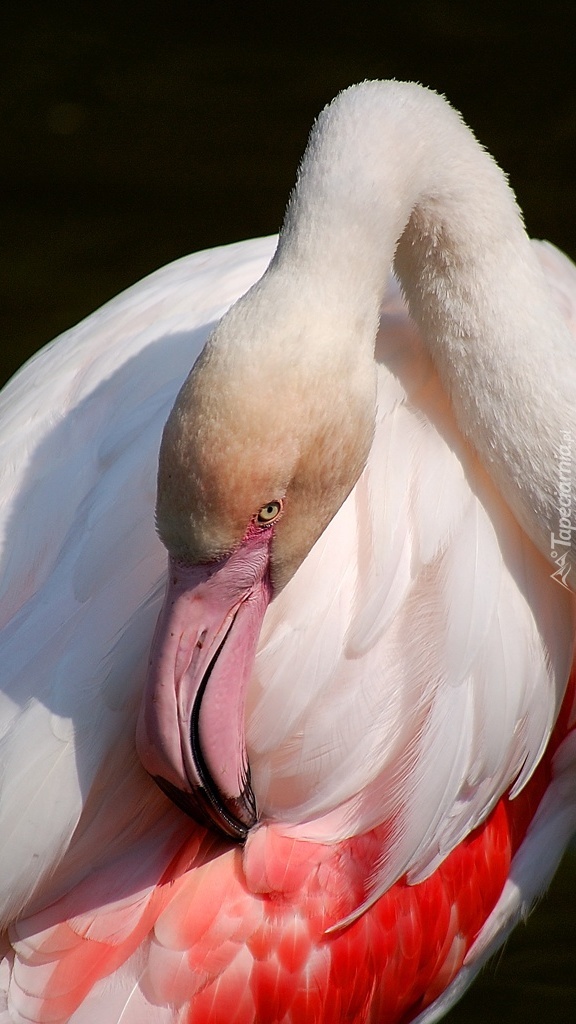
392 177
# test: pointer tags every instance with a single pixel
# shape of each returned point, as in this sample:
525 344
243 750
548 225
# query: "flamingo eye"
268 513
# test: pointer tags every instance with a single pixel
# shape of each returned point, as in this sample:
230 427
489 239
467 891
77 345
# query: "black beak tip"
234 819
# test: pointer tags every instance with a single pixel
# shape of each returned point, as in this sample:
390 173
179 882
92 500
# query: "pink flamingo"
359 688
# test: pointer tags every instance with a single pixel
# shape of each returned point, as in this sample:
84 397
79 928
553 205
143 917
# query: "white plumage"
427 640
434 643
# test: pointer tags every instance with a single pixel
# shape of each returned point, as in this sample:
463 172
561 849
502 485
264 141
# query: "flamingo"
348 765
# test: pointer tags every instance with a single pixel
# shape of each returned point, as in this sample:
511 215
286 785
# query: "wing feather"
79 432
452 658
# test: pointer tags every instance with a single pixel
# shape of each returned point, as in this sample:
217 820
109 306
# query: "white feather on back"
412 669
409 671
82 571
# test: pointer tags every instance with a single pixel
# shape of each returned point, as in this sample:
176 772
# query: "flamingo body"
410 721
259 951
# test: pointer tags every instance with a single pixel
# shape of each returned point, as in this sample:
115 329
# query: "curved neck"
392 176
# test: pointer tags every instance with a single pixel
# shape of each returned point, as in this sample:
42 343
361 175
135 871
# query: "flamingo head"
264 442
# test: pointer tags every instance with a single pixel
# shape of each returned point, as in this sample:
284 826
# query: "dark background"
132 133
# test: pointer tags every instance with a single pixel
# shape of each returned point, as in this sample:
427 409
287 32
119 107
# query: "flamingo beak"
190 735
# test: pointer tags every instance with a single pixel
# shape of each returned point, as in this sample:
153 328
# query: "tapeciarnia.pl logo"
561 542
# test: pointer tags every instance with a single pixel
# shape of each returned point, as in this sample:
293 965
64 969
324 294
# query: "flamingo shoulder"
82 568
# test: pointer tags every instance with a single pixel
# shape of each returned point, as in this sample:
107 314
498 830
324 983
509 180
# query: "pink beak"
190 734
